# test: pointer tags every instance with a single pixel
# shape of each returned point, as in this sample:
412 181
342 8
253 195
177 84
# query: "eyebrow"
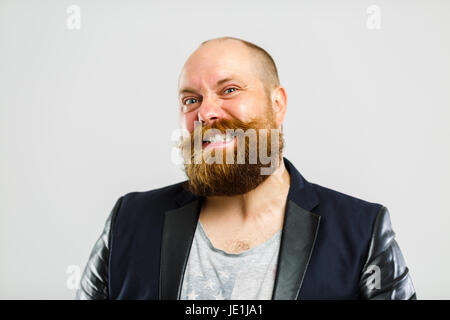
218 83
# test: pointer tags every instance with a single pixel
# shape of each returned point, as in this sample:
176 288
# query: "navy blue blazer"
333 246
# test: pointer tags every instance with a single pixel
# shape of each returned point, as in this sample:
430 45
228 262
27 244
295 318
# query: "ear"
279 104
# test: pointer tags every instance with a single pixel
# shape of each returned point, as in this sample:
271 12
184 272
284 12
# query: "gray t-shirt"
214 274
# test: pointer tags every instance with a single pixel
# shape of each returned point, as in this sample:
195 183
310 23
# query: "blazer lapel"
300 229
178 233
297 244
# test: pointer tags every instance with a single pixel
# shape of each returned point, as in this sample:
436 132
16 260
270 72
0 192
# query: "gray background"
87 115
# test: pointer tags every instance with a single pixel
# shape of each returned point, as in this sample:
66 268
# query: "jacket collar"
299 233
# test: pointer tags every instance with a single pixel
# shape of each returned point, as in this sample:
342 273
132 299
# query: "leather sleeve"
385 275
94 280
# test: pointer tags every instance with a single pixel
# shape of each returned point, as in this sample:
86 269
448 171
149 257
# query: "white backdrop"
86 115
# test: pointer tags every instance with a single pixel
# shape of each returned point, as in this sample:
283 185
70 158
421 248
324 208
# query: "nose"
209 111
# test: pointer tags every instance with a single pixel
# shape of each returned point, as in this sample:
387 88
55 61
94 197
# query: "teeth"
220 138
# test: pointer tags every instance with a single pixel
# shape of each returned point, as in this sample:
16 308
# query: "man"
249 228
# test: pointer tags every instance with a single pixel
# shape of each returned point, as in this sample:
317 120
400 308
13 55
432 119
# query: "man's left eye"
230 90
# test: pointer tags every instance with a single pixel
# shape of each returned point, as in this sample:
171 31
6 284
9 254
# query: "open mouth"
218 140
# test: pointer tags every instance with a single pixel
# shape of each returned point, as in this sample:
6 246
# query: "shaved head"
265 64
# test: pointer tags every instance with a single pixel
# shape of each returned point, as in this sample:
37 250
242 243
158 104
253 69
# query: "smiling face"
227 84
225 79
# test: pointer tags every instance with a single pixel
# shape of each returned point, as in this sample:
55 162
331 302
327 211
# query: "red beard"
209 177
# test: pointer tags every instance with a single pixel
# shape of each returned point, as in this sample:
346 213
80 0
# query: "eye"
189 104
230 90
190 101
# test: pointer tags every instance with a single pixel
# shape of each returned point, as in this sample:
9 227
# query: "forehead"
215 61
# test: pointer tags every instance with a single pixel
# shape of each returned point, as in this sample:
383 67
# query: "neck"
266 201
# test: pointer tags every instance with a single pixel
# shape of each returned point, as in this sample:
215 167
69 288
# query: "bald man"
245 224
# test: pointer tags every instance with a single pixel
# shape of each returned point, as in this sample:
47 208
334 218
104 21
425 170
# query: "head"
228 83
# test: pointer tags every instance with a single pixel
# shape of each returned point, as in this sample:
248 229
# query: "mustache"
225 124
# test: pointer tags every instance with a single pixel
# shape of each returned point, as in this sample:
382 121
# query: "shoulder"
343 200
152 202
346 210
165 194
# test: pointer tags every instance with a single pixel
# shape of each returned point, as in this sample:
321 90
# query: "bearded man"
246 224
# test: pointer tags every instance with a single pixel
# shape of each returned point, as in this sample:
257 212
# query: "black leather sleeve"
385 275
94 280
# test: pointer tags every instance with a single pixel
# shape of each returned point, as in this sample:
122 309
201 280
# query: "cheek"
245 108
187 120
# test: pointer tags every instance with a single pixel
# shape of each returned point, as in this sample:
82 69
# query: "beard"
210 171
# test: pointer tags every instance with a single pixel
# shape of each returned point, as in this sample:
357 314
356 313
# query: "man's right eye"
190 101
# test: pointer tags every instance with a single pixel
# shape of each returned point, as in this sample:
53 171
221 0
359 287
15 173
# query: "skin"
223 80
